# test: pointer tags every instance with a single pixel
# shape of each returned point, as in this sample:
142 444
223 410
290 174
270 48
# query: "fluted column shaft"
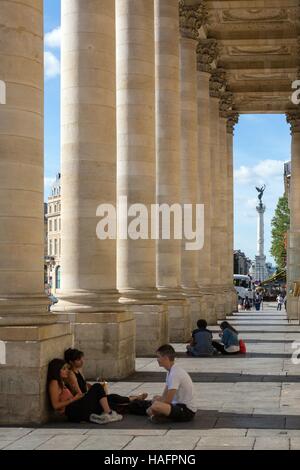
88 165
189 148
136 261
167 133
21 163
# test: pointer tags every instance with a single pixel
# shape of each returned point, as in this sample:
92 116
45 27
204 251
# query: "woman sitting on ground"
229 340
77 383
92 406
201 343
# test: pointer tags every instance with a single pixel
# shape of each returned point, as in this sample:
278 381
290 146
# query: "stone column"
29 335
88 298
191 18
168 162
293 119
226 105
231 122
136 258
224 225
217 84
206 58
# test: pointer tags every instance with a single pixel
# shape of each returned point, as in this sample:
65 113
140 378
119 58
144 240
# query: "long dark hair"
72 355
54 369
224 325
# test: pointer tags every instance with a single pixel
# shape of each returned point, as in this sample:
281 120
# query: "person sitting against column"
176 402
229 343
92 406
201 342
77 384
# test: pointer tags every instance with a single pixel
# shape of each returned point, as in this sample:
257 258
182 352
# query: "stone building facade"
54 236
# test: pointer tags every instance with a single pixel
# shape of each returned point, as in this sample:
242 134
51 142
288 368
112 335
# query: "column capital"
232 120
293 118
191 19
226 103
217 84
207 54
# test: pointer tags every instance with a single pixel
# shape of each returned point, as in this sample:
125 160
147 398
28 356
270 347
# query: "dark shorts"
181 413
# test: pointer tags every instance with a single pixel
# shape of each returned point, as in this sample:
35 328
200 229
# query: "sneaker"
105 418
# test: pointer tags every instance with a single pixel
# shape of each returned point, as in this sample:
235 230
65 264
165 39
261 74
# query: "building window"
59 245
57 277
50 209
59 224
55 225
55 247
50 247
50 225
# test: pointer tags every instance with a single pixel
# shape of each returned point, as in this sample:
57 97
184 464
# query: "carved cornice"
207 54
293 118
217 83
192 18
232 120
226 104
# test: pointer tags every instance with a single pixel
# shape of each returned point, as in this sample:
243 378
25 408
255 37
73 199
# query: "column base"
179 314
25 352
207 307
107 340
180 325
152 327
293 307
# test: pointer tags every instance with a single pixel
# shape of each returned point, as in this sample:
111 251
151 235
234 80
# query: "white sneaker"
105 418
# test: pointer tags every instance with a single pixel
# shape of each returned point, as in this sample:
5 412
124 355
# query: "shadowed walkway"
256 407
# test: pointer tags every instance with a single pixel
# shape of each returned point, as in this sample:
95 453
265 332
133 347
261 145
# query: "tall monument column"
29 335
191 19
168 264
233 119
293 307
260 258
206 60
136 169
103 328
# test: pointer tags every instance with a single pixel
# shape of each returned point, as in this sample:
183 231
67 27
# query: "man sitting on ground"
201 343
176 403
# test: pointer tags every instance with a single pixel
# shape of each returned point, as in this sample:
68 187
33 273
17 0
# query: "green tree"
280 225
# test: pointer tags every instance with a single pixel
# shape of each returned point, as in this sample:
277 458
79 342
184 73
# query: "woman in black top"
77 383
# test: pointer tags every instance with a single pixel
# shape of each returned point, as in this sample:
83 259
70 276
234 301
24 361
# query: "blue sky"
261 146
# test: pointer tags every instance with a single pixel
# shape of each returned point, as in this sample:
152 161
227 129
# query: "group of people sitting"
202 343
70 394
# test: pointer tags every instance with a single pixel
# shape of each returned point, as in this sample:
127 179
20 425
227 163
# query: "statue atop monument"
261 193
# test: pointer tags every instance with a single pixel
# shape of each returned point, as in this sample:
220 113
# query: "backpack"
243 348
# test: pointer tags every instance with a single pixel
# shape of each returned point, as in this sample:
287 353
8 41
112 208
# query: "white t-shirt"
178 379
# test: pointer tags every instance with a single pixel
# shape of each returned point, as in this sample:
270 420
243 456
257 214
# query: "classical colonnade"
145 114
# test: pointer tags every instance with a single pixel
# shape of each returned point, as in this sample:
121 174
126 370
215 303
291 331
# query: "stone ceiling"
259 50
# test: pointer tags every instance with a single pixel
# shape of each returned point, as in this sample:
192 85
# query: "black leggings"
220 347
90 403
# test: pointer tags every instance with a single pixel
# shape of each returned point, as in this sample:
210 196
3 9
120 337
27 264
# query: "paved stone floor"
249 401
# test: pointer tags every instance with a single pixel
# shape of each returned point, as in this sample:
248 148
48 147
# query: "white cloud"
53 38
48 181
52 65
260 173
